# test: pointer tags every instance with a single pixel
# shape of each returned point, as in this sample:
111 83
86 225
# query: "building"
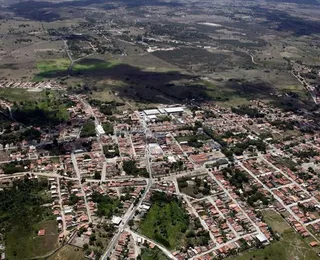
116 220
100 130
171 110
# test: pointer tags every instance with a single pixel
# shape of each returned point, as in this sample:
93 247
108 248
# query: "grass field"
58 67
68 253
93 64
50 68
165 222
276 221
26 245
291 246
47 106
18 95
53 65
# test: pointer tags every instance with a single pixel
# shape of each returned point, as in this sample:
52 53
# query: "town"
192 181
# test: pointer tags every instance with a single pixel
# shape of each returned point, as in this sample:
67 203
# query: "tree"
131 223
85 246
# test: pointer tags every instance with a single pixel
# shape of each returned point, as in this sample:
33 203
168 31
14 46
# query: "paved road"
203 223
126 218
234 201
64 224
75 165
277 197
132 210
162 248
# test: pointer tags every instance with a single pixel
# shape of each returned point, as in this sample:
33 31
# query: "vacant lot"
165 222
68 253
152 254
276 221
19 95
290 247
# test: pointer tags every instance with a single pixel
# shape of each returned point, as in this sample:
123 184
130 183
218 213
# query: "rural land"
159 129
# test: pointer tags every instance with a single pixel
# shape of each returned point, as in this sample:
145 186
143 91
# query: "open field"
68 253
19 95
163 58
290 247
22 240
152 254
165 222
25 244
276 221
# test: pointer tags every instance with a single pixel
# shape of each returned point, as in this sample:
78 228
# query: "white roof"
149 112
151 117
261 237
116 220
100 130
145 207
174 109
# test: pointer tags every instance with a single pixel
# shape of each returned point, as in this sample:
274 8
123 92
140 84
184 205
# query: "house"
41 232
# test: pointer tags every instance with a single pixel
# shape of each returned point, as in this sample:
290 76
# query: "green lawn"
166 222
276 221
291 246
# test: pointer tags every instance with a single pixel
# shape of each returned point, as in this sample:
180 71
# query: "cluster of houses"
33 86
125 248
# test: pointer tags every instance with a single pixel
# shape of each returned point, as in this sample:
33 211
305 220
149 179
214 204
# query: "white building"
100 130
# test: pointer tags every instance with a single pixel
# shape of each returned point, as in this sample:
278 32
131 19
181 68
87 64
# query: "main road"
132 210
76 168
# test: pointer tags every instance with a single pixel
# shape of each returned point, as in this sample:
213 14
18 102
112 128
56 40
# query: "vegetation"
68 252
61 67
131 168
24 202
108 128
111 151
50 109
88 130
51 68
107 206
166 221
239 180
246 110
290 246
193 140
106 107
14 167
200 187
152 254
